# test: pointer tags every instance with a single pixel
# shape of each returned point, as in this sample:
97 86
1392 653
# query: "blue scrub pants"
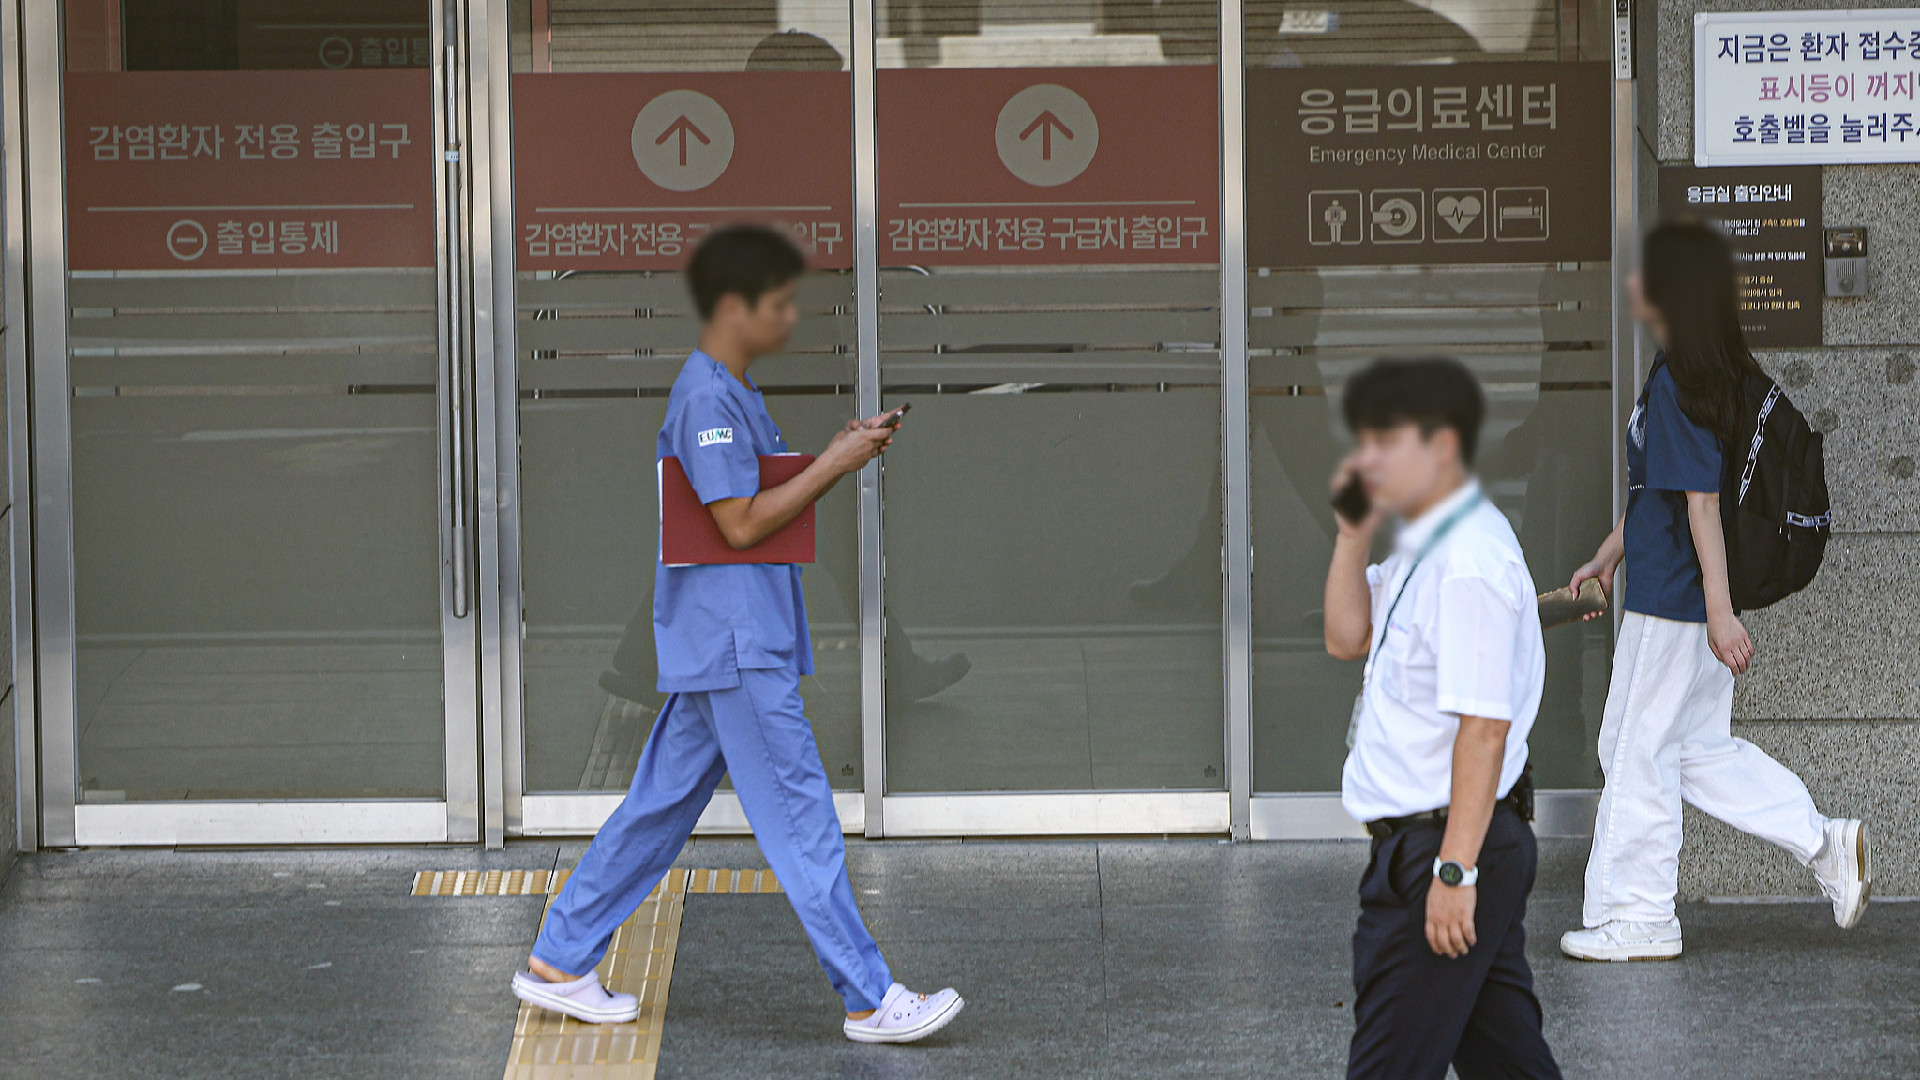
757 733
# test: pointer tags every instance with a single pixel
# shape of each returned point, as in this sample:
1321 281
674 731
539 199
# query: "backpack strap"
1759 440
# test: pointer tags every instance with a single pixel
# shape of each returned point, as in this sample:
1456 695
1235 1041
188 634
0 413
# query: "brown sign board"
1421 165
1771 215
629 170
1082 166
249 170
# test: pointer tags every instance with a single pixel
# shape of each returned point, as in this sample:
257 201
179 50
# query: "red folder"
690 537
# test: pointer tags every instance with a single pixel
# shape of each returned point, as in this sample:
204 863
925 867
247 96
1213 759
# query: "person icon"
1336 216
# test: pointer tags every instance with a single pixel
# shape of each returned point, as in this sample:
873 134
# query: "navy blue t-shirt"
1668 455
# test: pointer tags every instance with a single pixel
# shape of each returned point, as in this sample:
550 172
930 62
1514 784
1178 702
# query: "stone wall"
1835 689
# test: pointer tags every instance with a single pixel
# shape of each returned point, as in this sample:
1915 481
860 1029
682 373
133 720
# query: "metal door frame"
486 798
876 811
41 432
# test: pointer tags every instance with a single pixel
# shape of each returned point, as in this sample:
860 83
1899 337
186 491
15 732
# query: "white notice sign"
1806 87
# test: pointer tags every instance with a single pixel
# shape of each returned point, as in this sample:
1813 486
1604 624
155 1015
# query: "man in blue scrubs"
732 643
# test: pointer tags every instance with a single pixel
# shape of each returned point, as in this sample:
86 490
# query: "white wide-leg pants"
1667 736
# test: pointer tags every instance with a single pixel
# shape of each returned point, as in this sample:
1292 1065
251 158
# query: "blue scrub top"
711 621
1668 455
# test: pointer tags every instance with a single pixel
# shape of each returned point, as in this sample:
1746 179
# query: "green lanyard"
1439 534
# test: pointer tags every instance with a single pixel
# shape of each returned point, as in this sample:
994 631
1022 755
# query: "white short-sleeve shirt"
1465 640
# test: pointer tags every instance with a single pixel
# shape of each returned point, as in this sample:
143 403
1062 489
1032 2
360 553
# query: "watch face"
1451 874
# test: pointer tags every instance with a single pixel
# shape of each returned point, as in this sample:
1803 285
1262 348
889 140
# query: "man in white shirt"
1449 628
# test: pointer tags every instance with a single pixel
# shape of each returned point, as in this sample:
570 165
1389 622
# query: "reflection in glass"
255 447
598 352
1537 337
1052 512
589 526
1543 461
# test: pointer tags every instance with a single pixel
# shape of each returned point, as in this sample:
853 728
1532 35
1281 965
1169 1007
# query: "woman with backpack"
1667 736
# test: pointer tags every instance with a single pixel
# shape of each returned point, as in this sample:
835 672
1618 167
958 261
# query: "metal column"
1236 471
504 750
20 517
460 594
52 509
866 288
1626 374
489 219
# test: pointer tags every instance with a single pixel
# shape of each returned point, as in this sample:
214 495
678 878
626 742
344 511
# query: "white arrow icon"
682 140
1046 135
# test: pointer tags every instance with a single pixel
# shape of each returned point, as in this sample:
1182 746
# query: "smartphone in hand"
1352 503
893 418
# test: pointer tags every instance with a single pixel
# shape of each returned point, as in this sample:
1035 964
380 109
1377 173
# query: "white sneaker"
584 998
1844 869
1622 940
904 1016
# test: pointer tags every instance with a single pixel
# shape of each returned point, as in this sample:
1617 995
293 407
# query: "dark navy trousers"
1416 1011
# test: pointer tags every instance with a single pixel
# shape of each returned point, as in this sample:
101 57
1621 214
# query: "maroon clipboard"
690 537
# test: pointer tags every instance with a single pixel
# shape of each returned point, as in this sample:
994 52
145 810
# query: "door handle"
454 328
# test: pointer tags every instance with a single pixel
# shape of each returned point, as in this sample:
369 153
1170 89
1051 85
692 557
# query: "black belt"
1519 800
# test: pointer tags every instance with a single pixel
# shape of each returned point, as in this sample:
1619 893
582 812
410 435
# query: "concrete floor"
1115 960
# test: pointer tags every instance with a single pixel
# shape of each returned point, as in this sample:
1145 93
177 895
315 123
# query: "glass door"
1049 232
1420 181
252 415
634 132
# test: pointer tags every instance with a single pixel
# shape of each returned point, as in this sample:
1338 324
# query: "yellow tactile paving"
732 881
487 882
543 882
549 1046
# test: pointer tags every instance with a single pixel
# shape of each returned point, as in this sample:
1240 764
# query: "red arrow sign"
683 127
1046 124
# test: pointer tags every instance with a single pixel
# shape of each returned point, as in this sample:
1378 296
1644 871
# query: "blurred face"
1643 309
1402 469
762 327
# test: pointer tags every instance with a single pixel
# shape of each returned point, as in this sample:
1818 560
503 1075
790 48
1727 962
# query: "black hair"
1688 272
748 261
1433 392
795 50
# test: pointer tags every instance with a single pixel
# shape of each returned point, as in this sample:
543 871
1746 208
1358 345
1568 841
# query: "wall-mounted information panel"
1806 87
1772 218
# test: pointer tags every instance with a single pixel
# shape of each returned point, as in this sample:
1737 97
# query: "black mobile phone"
893 418
1352 502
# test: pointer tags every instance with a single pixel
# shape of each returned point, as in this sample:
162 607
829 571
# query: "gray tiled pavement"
1112 960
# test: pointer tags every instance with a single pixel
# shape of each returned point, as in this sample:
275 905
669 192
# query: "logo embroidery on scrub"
712 436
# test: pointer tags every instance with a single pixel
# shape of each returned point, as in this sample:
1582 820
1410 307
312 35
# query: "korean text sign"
1771 216
1806 87
1049 166
618 171
1413 164
249 169
333 34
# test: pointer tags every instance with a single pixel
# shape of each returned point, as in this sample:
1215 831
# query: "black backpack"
1773 500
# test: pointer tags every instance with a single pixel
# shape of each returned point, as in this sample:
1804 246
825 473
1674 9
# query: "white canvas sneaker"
584 998
904 1016
1622 940
1844 869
